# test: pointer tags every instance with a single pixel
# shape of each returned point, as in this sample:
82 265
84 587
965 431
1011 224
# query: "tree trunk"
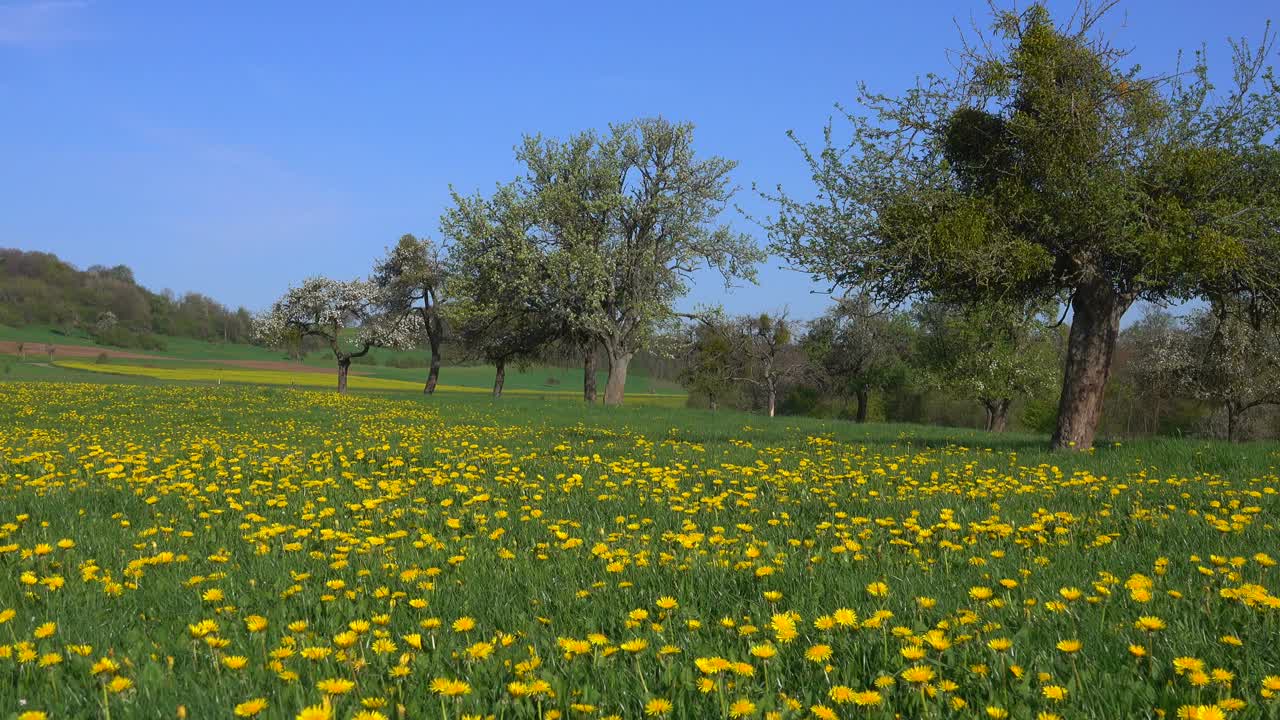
773 398
1095 324
589 374
712 402
989 415
433 375
1232 416
999 415
616 385
864 400
344 365
499 377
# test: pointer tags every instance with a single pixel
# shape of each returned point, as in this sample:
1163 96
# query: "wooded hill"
38 288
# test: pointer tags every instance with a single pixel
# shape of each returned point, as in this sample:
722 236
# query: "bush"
102 358
1040 415
123 337
802 400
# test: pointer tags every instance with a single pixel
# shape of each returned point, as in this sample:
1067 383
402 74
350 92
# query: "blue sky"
232 148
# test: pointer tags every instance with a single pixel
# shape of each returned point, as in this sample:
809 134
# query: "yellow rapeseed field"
223 552
214 374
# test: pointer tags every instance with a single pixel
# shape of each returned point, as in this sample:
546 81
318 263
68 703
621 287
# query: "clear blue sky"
232 148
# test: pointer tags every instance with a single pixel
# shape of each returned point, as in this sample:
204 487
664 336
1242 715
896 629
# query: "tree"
858 348
502 306
1230 357
345 315
710 360
769 358
624 221
994 352
1044 169
1147 368
411 279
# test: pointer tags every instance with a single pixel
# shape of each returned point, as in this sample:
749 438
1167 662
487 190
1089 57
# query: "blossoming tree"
346 315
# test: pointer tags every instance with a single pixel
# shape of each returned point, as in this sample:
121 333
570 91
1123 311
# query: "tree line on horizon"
1210 372
108 305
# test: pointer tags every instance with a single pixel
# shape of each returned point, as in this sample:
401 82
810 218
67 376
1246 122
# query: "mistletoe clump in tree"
348 316
768 356
1046 169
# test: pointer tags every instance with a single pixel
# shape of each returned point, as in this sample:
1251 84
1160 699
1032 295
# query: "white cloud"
39 23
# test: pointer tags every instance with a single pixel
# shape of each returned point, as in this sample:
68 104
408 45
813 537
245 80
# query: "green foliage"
858 347
1229 356
39 289
122 337
594 244
1045 169
1039 415
802 400
989 351
710 361
502 306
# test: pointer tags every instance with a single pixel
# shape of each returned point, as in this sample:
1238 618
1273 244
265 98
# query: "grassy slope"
187 352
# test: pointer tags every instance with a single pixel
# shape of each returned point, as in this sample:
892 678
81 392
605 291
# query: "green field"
220 551
195 354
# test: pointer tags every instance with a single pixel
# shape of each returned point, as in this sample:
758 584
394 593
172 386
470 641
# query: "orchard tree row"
1045 174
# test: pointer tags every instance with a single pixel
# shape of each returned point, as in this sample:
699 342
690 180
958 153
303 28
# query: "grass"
190 372
190 353
206 547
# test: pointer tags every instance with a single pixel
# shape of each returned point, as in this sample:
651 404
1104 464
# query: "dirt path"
36 350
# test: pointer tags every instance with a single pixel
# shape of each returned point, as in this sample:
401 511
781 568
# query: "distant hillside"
38 288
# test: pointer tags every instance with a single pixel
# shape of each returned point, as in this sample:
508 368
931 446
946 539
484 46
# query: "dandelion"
446 687
657 707
918 674
1201 712
818 653
316 712
1149 623
250 708
235 662
335 686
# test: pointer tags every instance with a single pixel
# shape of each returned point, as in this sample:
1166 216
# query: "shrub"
1040 415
